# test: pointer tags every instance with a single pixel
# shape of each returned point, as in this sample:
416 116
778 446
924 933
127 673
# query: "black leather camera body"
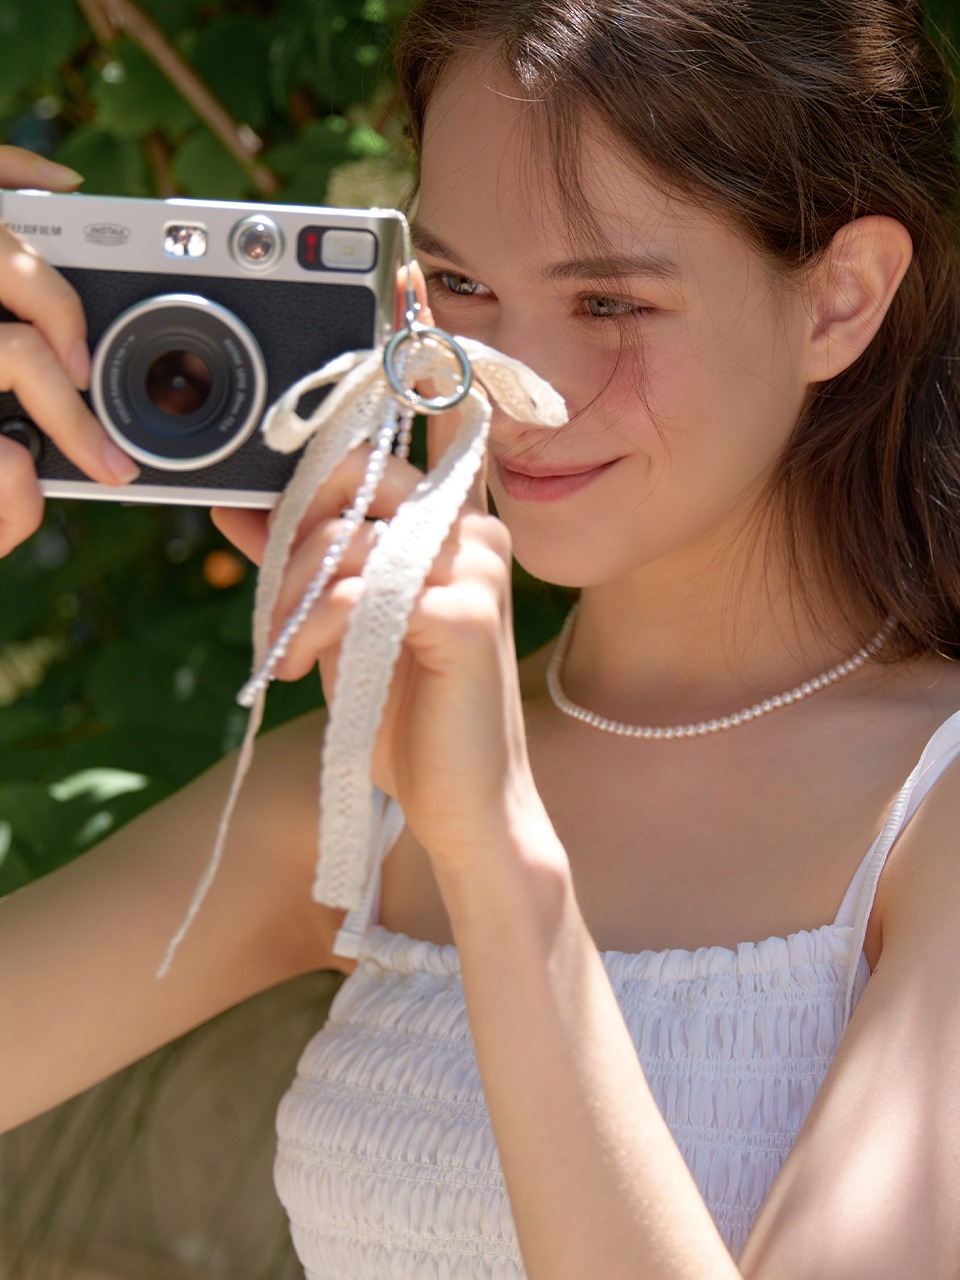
201 314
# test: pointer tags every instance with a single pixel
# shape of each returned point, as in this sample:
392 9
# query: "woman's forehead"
492 167
487 148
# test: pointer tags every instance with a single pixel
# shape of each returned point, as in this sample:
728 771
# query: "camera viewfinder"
181 240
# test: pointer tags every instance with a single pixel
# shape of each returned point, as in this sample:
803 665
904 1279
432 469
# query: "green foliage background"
138 655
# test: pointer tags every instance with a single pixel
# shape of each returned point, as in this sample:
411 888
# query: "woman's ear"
851 290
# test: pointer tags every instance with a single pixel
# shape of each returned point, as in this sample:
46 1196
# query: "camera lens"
179 382
256 242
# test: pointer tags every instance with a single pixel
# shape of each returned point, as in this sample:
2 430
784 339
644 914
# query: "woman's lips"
547 486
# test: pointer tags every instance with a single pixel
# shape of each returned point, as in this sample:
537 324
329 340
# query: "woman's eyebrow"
603 267
426 242
613 266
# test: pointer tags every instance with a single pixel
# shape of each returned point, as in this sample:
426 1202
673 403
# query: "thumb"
414 274
441 427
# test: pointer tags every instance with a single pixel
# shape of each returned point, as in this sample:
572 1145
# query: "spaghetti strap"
939 753
390 821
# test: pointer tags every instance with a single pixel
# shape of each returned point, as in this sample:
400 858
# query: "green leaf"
128 681
172 15
321 147
203 167
37 829
325 47
133 97
538 613
34 42
110 165
15 871
365 141
326 141
98 785
22 720
231 56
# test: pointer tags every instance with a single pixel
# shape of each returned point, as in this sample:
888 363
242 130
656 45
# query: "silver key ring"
416 332
427 404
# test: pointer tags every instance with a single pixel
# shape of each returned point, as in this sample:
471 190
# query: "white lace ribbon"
361 408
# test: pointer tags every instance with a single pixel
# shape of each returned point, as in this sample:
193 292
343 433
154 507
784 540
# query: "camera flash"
181 240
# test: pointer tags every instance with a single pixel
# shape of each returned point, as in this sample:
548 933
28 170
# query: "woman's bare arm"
596 1182
871 1186
79 950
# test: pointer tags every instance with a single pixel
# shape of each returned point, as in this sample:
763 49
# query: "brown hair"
789 119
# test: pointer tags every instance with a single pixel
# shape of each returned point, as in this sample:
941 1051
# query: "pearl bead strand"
351 520
702 728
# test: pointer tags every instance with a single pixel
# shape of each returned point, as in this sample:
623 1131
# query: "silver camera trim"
126 234
258 392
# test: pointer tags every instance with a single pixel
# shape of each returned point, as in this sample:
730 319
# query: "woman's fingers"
339 493
31 289
30 369
247 530
21 503
37 294
314 633
19 168
44 360
441 427
477 551
414 277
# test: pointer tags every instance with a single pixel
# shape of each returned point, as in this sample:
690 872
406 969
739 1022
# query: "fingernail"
121 467
78 366
57 175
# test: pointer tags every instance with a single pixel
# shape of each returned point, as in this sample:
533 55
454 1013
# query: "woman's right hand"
45 362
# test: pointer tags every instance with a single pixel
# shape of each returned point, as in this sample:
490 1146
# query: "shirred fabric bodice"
387 1164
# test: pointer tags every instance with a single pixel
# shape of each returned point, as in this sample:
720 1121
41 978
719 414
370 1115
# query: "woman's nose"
535 345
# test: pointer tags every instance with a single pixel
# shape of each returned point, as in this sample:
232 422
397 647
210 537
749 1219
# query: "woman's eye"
605 308
464 286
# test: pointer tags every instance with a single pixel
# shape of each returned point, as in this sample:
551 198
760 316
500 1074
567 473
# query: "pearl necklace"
703 727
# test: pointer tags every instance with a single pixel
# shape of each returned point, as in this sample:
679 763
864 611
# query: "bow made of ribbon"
364 407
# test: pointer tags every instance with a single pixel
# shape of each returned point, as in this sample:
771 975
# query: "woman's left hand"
452 746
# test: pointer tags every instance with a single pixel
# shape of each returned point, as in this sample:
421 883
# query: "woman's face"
680 357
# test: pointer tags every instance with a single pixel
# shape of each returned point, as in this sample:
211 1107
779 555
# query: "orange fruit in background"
222 569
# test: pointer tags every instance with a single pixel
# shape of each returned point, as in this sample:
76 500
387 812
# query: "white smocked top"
387 1164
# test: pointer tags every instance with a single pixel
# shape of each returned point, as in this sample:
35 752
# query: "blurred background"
124 631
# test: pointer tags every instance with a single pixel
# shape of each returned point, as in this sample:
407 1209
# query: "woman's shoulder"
918 702
924 692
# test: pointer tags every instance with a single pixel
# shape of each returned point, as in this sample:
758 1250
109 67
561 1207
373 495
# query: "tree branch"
109 18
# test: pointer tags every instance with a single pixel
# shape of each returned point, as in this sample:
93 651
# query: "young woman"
660 982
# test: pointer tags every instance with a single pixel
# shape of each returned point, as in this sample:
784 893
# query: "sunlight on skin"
716 346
